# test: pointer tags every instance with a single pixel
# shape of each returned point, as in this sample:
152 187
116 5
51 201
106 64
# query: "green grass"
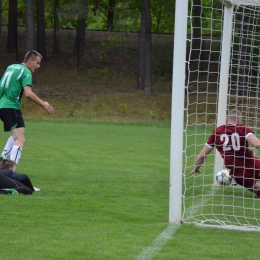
104 195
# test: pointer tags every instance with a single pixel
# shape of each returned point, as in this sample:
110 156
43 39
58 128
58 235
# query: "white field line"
158 243
155 247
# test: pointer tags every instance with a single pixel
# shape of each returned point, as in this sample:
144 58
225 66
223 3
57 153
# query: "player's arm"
34 98
254 141
201 158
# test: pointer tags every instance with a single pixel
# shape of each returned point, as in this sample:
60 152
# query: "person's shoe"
9 191
36 189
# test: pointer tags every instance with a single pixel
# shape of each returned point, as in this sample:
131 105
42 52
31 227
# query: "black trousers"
7 183
20 177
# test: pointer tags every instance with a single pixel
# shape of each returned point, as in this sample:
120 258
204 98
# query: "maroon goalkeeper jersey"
230 141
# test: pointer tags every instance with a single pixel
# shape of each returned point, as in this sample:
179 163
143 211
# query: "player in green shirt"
16 81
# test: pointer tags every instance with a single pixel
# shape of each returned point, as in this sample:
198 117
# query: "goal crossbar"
242 2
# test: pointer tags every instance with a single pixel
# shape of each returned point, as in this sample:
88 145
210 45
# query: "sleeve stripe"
248 135
209 146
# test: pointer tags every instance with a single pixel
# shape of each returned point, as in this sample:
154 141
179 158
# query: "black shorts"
12 118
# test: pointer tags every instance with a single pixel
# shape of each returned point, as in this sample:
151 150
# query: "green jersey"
15 78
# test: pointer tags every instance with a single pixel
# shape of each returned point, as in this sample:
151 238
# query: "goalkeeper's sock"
8 147
16 153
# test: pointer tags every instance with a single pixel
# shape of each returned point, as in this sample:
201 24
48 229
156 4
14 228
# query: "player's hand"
195 171
48 107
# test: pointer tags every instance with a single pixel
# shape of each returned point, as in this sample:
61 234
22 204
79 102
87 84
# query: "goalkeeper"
231 140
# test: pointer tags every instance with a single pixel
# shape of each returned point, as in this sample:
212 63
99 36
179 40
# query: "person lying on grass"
10 186
8 167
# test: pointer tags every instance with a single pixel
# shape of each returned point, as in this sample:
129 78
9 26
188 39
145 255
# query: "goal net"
221 73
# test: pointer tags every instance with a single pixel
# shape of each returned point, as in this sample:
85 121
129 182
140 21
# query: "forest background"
102 59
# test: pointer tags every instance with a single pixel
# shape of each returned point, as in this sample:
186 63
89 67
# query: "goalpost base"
255 229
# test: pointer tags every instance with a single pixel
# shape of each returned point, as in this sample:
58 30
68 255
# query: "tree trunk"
159 19
12 27
41 36
144 80
30 34
56 44
79 47
110 15
29 20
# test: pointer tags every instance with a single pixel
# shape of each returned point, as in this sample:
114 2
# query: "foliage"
126 14
162 16
72 11
208 27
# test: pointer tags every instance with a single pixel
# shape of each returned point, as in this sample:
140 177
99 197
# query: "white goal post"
216 67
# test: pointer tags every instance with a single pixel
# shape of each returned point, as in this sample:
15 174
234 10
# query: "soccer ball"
223 177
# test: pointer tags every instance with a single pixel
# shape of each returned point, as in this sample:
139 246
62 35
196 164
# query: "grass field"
104 195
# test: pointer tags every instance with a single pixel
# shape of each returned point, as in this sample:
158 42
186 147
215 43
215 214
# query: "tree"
163 15
30 34
79 47
41 39
12 27
96 7
29 21
110 15
144 80
76 10
56 46
110 12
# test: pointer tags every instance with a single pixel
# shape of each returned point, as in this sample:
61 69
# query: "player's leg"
19 141
13 121
257 189
238 175
8 147
244 176
251 176
257 177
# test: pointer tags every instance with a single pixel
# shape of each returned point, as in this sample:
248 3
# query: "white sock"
16 153
8 147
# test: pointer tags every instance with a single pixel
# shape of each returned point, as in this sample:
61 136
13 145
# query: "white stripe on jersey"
21 73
